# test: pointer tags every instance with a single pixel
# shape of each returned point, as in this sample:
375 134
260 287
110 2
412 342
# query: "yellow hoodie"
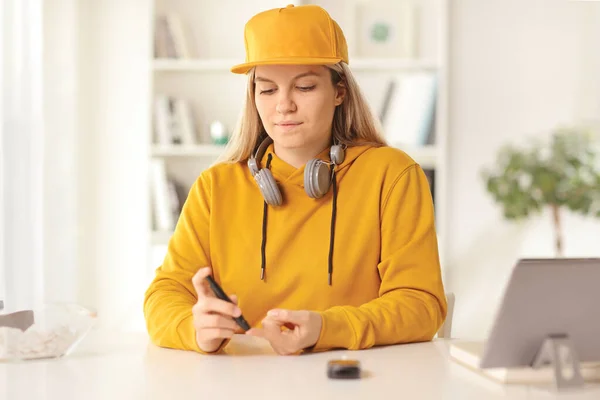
386 286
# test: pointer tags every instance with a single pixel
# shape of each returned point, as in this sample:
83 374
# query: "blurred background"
111 108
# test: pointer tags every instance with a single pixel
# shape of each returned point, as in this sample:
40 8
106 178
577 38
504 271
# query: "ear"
340 93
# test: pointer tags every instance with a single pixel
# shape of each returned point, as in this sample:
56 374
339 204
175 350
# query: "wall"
113 57
517 68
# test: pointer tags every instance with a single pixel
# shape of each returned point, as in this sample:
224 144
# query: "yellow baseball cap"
304 35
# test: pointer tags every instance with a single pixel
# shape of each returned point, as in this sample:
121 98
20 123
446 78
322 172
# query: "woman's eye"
306 88
267 91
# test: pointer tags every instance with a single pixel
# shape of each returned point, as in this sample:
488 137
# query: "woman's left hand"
304 329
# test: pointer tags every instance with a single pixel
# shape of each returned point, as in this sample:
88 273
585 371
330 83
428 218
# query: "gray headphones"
317 176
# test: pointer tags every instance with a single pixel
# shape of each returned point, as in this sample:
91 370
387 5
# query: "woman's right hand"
213 317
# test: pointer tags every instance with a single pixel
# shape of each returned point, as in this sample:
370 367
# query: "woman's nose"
285 103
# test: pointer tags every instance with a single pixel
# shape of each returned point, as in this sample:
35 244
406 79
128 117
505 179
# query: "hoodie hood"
286 173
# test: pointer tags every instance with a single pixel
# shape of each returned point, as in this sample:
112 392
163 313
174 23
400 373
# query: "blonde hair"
353 121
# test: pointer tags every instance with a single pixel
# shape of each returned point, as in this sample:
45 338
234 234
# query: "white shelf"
160 238
181 150
224 65
197 65
367 64
426 156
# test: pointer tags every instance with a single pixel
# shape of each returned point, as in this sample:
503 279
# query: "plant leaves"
564 170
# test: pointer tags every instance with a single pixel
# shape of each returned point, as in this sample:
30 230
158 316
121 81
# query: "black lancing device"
221 295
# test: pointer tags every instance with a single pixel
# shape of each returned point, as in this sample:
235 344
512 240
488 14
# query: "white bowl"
57 330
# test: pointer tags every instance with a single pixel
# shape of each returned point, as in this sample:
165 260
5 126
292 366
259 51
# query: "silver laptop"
545 297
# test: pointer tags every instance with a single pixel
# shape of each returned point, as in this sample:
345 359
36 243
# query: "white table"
128 367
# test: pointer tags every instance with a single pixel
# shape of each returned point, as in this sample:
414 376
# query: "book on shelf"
184 121
168 197
171 38
469 354
173 121
430 174
408 111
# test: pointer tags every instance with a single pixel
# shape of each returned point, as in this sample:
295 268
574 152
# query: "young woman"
318 231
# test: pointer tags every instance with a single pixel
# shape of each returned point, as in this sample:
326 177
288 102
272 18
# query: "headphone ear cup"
253 166
268 187
337 154
317 178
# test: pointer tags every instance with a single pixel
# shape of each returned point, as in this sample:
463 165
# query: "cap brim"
244 68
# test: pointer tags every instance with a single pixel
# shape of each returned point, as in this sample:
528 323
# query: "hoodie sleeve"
411 305
169 300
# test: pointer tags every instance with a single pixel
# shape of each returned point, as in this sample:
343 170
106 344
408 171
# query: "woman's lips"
287 126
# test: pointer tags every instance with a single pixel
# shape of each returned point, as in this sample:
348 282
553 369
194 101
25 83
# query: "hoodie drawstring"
331 233
333 215
264 230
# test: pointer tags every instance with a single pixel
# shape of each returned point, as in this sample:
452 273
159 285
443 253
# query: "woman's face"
296 104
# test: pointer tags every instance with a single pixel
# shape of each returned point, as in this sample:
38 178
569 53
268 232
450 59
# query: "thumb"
295 317
234 298
198 281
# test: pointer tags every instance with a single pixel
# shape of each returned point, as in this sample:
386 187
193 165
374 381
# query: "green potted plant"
561 173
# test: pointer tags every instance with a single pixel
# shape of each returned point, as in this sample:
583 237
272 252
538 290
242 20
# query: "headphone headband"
260 152
253 162
317 174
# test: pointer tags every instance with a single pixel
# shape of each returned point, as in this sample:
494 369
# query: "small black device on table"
343 369
221 295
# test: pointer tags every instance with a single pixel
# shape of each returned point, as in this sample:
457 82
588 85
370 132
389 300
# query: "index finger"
198 281
271 330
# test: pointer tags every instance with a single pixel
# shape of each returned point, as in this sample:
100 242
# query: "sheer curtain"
38 153
21 154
